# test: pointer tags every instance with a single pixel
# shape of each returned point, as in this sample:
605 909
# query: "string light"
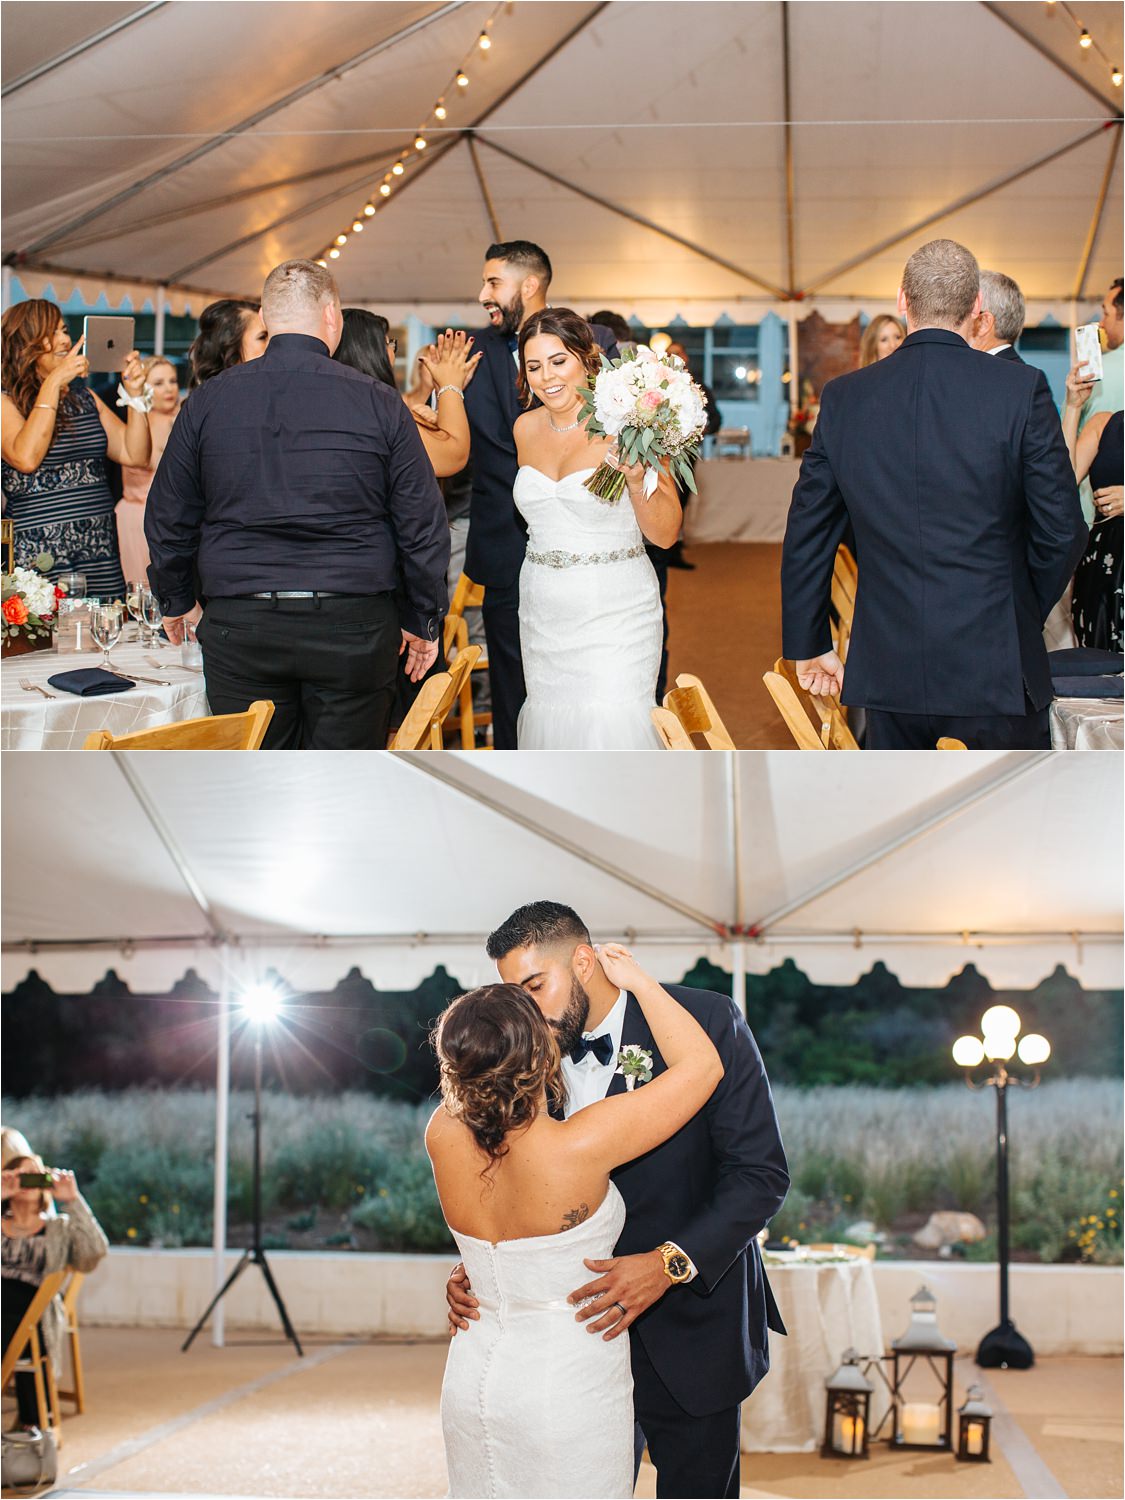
323 263
1085 40
1116 77
439 112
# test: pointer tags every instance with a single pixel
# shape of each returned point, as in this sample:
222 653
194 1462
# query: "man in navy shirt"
299 491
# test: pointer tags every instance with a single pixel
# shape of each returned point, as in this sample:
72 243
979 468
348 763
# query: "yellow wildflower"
143 1198
132 1233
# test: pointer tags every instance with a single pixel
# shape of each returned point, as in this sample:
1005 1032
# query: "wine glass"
150 606
134 598
105 627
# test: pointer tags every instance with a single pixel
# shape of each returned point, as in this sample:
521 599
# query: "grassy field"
350 1170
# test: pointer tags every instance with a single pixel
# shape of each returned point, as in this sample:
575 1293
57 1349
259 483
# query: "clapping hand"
450 360
1108 501
822 676
1078 386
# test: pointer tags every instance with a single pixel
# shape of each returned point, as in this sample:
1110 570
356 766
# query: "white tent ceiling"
199 143
398 863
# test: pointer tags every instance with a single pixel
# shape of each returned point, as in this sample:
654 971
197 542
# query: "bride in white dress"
532 1404
591 623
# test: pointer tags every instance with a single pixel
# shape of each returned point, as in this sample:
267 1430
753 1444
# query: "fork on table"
33 687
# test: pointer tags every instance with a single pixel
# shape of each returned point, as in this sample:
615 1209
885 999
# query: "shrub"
327 1167
151 1196
403 1212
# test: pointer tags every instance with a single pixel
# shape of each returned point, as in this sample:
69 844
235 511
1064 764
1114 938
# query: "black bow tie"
600 1046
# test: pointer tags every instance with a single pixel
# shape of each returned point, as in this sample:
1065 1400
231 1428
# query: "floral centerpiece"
29 602
654 410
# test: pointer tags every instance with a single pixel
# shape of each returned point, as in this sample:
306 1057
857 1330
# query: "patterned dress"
1097 581
66 508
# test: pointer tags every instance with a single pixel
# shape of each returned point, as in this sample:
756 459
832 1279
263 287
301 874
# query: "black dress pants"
328 665
501 614
18 1297
696 1458
658 557
887 731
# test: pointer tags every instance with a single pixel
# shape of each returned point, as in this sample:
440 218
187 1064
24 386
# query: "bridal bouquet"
654 410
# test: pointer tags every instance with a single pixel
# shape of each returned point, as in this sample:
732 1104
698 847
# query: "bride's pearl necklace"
569 428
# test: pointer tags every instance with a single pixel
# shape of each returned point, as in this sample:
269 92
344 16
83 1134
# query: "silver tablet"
108 342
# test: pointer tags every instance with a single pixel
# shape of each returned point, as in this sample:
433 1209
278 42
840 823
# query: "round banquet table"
827 1306
28 721
1088 724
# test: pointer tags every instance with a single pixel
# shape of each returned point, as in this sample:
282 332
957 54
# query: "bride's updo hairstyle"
498 1056
574 332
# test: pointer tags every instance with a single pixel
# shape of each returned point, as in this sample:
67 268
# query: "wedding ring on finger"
624 1310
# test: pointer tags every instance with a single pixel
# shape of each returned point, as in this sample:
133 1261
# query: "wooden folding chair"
422 727
801 712
26 1354
843 600
70 1309
244 731
690 703
673 735
8 542
947 742
466 721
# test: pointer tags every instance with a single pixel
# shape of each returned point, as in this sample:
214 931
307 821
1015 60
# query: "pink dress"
131 522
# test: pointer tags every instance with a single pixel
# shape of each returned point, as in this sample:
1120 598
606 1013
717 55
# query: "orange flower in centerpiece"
15 610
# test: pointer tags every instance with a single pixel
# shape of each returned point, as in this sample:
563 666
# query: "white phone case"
1088 349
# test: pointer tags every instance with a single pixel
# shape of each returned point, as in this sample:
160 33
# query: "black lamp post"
1004 1347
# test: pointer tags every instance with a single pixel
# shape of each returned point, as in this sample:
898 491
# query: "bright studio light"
740 372
261 1003
1034 1049
968 1052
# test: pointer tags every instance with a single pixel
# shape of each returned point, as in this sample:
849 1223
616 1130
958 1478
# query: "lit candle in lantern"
975 1440
847 1434
921 1424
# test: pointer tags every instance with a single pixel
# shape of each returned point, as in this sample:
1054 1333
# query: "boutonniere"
635 1065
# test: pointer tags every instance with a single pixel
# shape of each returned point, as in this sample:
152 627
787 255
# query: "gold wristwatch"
677 1267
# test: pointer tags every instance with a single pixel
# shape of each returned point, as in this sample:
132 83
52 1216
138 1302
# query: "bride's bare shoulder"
527 430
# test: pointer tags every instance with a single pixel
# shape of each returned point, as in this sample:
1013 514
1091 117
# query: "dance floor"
725 628
362 1420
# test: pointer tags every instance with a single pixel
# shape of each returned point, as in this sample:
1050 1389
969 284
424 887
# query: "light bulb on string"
440 111
398 169
1085 40
484 41
385 189
341 239
323 263
462 80
357 227
368 209
420 143
334 254
1116 77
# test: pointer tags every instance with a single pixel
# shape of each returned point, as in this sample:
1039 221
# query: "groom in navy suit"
516 277
686 1281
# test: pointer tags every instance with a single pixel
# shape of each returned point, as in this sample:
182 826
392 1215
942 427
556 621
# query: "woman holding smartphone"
35 1242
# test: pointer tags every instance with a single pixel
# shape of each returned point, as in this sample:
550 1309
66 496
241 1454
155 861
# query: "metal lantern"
919 1423
847 1422
974 1422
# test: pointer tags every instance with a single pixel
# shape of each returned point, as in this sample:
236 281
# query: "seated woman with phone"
56 436
34 1244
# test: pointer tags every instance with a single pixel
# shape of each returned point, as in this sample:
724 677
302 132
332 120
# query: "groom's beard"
511 318
572 1023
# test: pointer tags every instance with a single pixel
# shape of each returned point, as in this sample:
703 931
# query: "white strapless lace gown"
532 1404
591 626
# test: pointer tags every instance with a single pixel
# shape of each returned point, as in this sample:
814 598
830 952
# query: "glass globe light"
968 1052
1034 1049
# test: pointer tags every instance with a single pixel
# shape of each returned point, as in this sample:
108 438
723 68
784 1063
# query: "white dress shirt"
997 348
589 1080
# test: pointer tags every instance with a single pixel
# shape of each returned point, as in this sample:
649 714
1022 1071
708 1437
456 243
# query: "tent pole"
489 206
734 787
84 46
159 298
222 1135
426 764
7 293
794 359
738 975
1044 51
966 201
1096 220
790 193
242 126
1024 763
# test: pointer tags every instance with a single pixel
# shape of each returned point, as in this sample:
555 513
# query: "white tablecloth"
1088 724
741 500
28 721
827 1308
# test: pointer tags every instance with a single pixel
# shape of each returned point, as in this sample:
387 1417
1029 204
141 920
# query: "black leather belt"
296 594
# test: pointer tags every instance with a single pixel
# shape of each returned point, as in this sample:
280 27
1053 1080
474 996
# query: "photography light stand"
255 1255
1004 1347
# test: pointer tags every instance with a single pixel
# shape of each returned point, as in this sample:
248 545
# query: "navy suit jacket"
1008 353
711 1187
497 540
952 468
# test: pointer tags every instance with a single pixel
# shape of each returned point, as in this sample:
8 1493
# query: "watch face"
678 1266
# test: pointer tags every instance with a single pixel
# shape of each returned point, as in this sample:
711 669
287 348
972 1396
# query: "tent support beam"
80 47
1096 220
438 154
208 205
1023 765
482 183
426 764
625 213
1072 73
790 190
222 1142
966 201
267 112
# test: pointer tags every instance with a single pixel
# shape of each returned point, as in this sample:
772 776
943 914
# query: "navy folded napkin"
1088 687
91 682
1085 661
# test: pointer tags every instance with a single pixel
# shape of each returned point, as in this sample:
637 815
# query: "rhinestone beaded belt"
577 559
